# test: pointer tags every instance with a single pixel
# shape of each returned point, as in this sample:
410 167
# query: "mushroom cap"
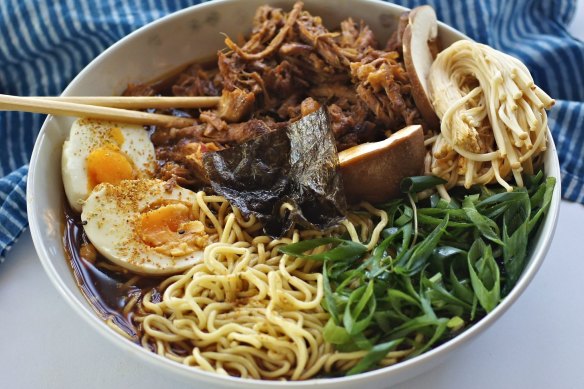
373 171
419 48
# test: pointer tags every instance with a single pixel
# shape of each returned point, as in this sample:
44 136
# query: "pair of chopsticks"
114 108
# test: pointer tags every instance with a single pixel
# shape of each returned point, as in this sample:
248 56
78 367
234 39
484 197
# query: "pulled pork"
289 66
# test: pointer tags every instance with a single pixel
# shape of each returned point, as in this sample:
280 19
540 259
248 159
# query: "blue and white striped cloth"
45 43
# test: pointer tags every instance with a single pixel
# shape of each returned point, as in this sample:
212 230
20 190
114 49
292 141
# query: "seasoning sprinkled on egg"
101 151
143 227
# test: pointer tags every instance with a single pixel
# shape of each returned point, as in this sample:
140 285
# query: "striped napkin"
45 43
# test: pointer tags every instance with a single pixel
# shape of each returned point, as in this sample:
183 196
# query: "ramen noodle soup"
230 245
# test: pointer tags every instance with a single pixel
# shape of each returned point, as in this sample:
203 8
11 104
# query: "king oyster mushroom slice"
373 171
420 47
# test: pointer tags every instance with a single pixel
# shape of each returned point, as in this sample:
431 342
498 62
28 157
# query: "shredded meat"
308 106
206 132
183 163
290 65
383 84
180 151
235 105
196 81
139 90
356 39
395 42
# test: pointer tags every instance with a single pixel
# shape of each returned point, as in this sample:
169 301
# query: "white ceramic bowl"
163 45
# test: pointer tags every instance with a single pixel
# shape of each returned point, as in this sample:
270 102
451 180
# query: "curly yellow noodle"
247 310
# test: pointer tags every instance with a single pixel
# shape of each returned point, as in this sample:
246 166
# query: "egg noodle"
493 119
247 310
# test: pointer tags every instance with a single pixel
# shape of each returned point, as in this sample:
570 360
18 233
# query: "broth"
109 290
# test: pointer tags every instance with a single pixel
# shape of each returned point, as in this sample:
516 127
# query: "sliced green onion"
377 353
417 184
344 250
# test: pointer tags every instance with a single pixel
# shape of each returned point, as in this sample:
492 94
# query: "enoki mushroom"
493 118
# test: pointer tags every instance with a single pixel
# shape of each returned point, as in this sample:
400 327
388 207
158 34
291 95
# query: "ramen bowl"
159 47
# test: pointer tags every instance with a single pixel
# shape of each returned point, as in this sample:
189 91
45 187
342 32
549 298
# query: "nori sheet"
297 165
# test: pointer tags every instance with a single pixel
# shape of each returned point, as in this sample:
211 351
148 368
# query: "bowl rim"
547 229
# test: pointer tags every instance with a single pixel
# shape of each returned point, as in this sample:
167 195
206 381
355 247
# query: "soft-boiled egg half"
100 151
145 226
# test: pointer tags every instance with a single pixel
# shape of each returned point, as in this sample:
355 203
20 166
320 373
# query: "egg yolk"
170 230
106 164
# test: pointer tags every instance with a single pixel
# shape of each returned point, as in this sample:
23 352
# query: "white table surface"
537 344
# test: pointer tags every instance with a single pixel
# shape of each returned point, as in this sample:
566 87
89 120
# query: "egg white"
110 217
87 135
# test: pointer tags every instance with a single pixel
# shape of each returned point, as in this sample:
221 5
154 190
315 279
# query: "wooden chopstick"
64 108
141 102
